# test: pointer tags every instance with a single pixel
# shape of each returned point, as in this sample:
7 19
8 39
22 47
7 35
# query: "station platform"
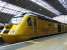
55 42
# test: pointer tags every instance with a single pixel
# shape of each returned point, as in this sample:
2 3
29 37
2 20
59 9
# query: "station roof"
50 8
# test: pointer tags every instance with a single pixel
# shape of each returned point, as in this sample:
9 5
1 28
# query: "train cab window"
16 20
29 21
6 31
7 27
1 27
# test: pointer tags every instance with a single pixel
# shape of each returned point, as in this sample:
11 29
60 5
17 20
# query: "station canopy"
50 8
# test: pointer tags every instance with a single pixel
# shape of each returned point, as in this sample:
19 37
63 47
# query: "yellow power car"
29 26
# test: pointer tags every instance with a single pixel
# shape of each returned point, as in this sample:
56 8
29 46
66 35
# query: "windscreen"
16 20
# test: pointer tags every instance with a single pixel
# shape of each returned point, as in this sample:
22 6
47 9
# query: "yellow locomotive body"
31 26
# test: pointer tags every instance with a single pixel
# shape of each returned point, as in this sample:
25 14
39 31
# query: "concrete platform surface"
55 42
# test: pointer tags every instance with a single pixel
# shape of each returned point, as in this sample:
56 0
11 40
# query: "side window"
29 21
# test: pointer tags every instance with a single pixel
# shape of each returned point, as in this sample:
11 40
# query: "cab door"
31 28
34 24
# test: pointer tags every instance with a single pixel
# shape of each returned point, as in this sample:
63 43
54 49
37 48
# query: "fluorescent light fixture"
10 6
2 3
63 2
0 8
15 10
61 18
11 9
47 6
